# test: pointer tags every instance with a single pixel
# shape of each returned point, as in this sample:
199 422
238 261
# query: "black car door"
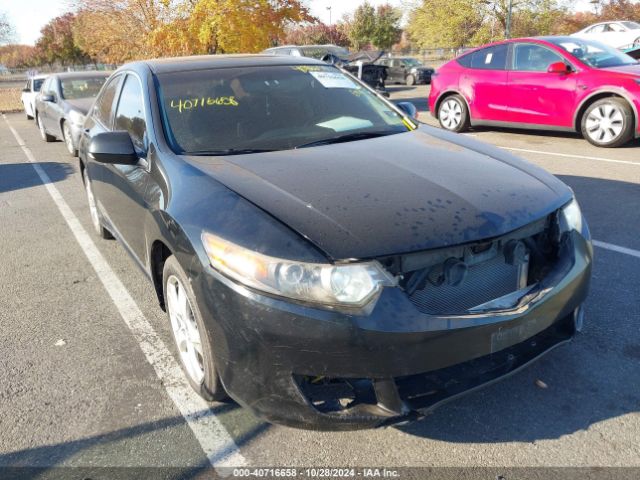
124 186
100 119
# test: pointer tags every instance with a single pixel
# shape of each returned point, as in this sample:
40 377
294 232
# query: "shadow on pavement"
590 381
69 455
16 176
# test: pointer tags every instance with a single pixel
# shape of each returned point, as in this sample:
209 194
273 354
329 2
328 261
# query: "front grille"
483 282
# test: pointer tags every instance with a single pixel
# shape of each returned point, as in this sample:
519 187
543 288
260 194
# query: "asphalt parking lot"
82 384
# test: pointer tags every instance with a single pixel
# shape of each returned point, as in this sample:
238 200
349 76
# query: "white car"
621 34
29 93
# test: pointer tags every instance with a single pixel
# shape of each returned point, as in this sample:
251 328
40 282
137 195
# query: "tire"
68 140
410 81
198 366
608 123
93 209
29 117
453 114
43 133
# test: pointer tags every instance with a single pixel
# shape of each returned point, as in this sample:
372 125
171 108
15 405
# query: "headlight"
76 117
349 284
572 216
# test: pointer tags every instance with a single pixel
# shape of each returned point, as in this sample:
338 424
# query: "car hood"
626 69
82 105
396 194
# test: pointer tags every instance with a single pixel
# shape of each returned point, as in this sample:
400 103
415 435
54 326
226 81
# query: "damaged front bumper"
319 369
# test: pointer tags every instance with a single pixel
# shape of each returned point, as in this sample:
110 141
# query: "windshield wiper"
346 138
229 151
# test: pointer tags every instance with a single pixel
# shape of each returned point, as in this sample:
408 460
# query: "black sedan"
62 104
324 260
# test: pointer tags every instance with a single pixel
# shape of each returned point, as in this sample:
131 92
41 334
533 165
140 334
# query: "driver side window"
130 113
104 103
533 58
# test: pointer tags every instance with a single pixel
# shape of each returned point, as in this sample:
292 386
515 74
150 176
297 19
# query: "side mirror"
113 147
559 67
408 108
47 97
26 90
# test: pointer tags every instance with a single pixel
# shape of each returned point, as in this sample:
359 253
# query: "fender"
607 90
446 93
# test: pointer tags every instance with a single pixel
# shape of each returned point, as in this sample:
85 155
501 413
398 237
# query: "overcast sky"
29 16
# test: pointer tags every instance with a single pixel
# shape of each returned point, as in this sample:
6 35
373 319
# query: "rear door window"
490 58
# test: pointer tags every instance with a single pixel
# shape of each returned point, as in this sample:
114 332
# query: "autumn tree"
18 56
56 43
316 34
115 31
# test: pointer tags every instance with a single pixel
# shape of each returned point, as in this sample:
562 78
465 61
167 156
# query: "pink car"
548 83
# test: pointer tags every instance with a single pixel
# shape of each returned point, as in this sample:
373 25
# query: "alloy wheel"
451 114
605 123
185 329
43 132
67 138
93 209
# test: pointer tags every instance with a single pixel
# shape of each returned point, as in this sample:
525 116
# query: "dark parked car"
323 259
62 104
406 70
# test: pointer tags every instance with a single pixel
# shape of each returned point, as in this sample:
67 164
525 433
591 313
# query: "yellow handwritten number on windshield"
191 103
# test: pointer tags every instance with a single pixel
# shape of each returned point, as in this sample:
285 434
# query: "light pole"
509 11
329 8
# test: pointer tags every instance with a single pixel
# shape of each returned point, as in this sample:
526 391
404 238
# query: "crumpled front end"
418 345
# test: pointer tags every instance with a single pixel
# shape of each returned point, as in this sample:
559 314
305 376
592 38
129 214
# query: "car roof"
206 62
93 73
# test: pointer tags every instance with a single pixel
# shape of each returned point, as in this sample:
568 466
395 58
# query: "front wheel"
410 80
43 132
93 209
68 140
608 123
453 114
189 333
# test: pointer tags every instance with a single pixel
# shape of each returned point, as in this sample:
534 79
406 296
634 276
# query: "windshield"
37 83
412 62
594 54
269 108
81 87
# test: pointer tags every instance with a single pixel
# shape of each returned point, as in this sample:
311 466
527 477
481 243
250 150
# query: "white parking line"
617 248
214 439
569 155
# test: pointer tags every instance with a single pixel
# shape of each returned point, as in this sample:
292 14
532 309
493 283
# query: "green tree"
454 23
362 26
387 27
458 23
